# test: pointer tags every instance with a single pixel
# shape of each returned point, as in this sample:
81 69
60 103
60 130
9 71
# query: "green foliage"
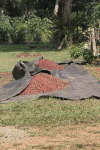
38 28
44 8
76 52
12 29
17 31
46 33
4 28
93 13
33 24
88 56
11 8
60 30
57 37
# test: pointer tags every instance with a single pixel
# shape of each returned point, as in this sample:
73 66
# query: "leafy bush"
17 31
38 29
76 52
46 33
4 28
12 29
3 35
88 56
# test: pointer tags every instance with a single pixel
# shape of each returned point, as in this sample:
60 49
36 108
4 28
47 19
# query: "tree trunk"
56 7
2 11
92 43
62 42
67 11
98 34
70 40
66 17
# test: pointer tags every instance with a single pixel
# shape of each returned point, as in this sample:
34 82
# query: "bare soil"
60 138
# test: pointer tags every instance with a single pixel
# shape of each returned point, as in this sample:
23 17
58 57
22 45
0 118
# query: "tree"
66 17
17 8
71 14
93 23
66 12
56 7
2 3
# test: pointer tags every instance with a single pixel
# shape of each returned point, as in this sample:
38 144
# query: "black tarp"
82 84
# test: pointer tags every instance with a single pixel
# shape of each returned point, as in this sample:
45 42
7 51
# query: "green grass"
1 135
8 54
16 144
50 112
44 112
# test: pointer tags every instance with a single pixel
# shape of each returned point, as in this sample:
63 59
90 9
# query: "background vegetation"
23 20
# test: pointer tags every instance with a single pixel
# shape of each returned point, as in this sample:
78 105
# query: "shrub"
38 29
17 31
33 27
76 52
46 33
4 28
88 56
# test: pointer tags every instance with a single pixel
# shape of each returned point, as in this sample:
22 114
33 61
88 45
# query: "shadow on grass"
41 47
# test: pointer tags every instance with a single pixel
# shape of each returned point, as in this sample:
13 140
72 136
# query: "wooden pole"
92 43
56 7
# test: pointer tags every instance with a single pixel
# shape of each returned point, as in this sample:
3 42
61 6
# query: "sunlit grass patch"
50 112
8 55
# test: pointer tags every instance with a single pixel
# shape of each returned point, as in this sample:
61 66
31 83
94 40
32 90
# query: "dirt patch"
64 138
28 55
95 71
6 74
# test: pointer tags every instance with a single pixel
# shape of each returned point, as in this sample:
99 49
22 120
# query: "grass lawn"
46 113
8 54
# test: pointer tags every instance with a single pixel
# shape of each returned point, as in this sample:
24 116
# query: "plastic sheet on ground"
82 84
